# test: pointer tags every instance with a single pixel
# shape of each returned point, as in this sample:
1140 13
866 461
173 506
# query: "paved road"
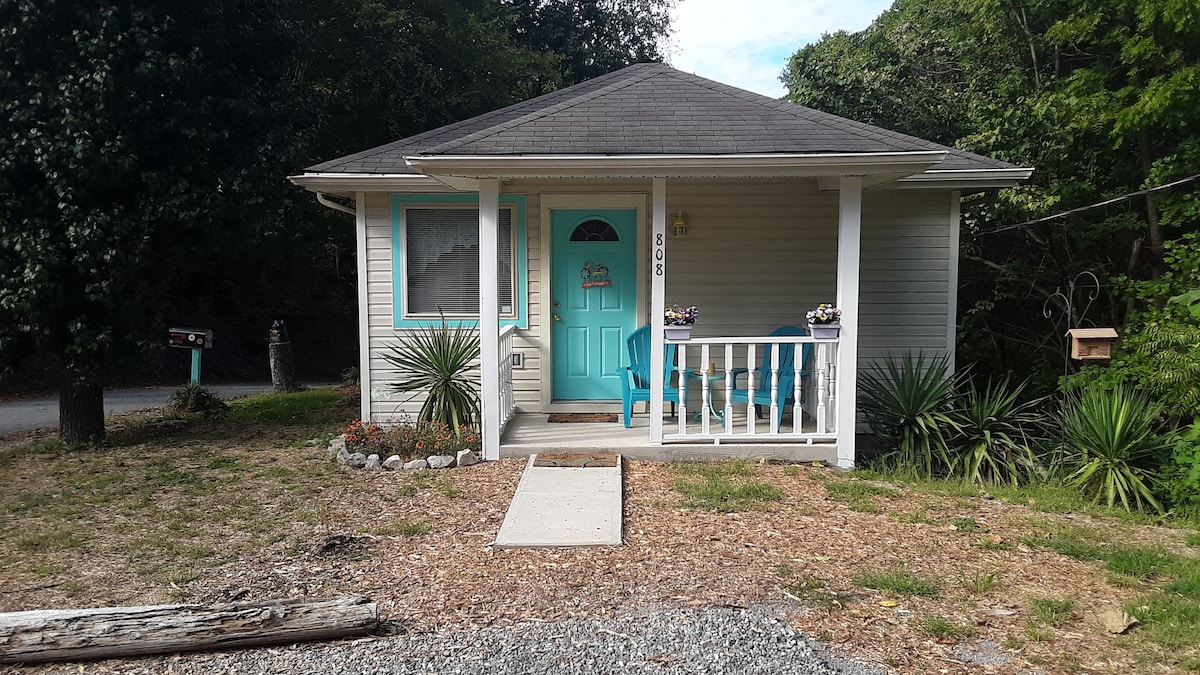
38 413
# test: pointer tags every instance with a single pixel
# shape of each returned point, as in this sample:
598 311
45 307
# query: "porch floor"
531 433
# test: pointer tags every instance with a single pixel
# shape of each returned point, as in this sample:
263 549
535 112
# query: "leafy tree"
139 137
591 37
1096 94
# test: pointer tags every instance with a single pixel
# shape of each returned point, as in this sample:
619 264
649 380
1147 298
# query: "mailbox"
1092 344
190 338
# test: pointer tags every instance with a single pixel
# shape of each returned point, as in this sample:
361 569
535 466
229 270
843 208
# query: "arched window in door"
595 230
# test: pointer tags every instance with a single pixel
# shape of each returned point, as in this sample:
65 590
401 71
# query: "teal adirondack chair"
635 378
761 394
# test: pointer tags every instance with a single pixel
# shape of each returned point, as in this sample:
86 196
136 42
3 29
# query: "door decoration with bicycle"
593 275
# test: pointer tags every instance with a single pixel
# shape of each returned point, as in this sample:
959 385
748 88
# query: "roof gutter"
346 184
336 206
973 179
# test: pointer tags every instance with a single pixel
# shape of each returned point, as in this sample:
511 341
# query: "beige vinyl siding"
905 274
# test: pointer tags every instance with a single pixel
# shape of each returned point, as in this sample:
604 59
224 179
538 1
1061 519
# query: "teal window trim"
520 264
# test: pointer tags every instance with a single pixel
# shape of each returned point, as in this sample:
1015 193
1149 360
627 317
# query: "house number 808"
659 254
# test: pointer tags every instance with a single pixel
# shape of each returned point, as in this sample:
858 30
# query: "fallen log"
110 632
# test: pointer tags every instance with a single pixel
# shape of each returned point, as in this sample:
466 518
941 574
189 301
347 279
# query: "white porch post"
365 379
848 261
658 299
489 317
952 286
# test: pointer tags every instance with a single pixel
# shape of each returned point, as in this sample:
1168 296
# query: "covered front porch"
804 425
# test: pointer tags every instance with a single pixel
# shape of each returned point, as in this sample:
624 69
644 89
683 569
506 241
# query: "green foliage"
996 431
439 363
138 134
1113 447
194 399
908 403
1098 96
900 582
1181 477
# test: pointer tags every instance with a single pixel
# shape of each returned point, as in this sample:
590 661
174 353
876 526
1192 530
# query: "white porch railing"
813 412
508 402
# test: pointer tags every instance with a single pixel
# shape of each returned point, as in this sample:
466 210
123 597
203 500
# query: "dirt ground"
263 517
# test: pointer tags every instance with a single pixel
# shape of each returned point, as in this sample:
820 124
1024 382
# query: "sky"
746 43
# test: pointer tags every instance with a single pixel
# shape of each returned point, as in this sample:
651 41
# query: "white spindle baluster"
751 359
727 420
776 413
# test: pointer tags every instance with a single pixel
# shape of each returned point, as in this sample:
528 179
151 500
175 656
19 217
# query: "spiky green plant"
1112 445
995 434
909 404
439 361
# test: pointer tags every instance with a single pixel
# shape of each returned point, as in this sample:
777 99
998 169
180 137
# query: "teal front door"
593 300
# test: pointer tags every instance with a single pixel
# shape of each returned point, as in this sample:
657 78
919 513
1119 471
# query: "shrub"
1112 447
193 399
1181 477
995 434
439 361
909 404
425 439
363 437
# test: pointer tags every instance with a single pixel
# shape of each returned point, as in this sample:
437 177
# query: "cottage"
564 223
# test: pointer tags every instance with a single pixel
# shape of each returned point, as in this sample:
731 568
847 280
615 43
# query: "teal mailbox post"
195 339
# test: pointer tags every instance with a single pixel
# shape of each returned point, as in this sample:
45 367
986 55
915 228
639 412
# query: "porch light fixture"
680 225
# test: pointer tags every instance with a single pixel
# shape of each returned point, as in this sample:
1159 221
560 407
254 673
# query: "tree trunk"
283 368
109 632
1157 265
80 411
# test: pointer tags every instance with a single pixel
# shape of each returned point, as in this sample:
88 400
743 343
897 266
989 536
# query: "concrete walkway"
560 506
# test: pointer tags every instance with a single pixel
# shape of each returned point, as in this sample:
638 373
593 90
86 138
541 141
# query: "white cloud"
746 43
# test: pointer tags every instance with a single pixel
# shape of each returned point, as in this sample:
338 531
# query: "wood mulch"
451 579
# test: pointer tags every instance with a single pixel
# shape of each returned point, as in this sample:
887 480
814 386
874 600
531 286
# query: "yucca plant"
439 361
995 435
909 404
1112 445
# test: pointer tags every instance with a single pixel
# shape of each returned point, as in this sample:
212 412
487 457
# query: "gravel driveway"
665 642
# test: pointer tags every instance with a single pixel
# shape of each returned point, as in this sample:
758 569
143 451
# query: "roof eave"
965 179
348 183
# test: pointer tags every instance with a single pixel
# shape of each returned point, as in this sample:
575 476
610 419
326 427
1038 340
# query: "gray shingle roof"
649 108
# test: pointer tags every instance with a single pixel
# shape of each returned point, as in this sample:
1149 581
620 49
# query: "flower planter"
824 331
677 332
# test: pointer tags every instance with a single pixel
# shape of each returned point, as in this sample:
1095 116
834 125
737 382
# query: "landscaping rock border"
357 460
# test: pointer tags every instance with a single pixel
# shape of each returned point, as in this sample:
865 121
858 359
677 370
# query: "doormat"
582 417
582 461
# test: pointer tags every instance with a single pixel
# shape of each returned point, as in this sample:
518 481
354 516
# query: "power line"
1107 202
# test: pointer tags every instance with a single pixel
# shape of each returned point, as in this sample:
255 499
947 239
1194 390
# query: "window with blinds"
441 253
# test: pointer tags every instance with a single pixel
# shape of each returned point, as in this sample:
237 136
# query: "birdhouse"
1092 344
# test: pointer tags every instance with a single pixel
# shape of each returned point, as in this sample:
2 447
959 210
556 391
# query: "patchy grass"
164 510
944 629
899 582
815 594
404 528
726 487
858 495
1052 611
304 408
979 582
